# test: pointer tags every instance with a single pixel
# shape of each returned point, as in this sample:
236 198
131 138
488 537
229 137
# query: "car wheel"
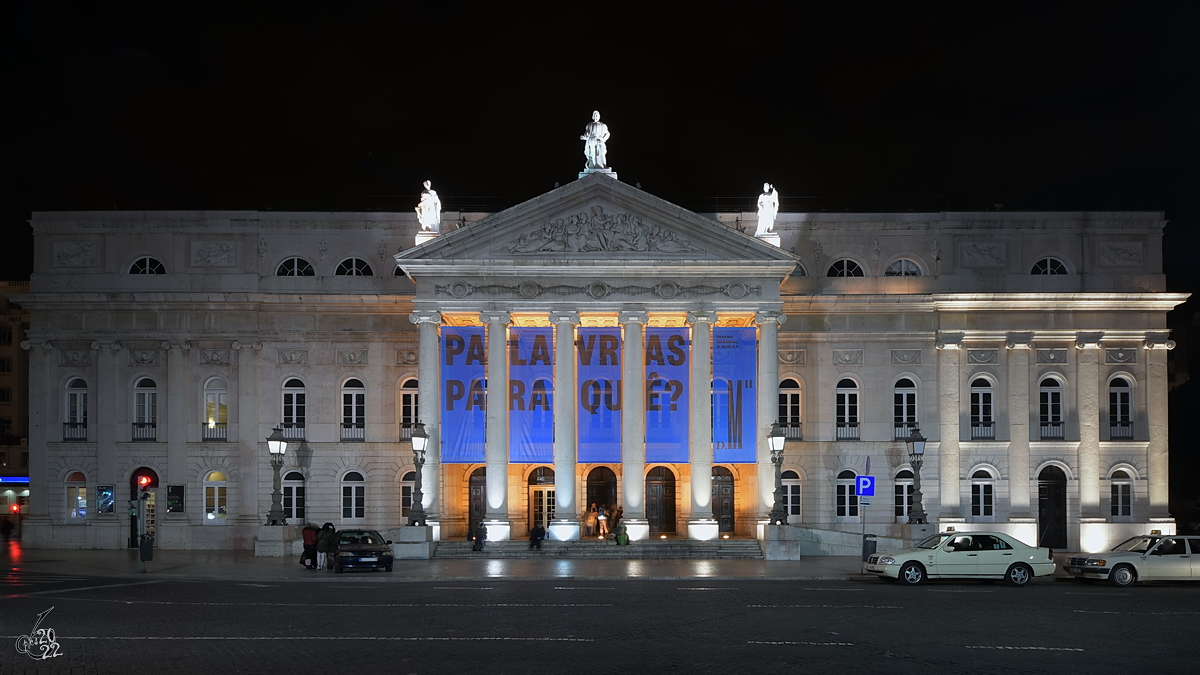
1018 574
337 569
388 568
1122 575
911 574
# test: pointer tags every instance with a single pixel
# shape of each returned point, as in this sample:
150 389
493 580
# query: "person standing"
617 516
602 521
589 520
309 536
536 535
326 540
480 537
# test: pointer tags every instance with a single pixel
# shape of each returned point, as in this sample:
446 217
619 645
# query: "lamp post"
775 440
277 445
420 441
916 457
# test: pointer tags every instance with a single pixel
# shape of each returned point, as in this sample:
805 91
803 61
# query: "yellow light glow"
662 536
725 537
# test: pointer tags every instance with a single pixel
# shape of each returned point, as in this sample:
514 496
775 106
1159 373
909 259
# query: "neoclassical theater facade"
597 345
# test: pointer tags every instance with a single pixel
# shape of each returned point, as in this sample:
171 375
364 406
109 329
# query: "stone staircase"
660 549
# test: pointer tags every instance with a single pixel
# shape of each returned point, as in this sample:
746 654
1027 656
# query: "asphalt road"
130 625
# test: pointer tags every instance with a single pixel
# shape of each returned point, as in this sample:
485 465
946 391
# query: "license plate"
368 559
1074 569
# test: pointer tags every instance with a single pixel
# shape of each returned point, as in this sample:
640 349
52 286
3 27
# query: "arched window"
1048 266
847 498
1120 410
983 496
294 409
902 268
295 267
147 265
354 498
76 411
1050 408
145 410
215 509
789 409
846 410
408 409
293 496
76 485
1121 495
791 496
799 271
354 411
904 408
845 268
398 272
407 485
216 409
353 267
983 424
904 493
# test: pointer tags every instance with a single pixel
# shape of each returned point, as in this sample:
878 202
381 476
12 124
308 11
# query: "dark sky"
352 105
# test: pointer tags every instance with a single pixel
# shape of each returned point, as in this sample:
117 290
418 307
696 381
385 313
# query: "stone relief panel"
793 357
1051 356
906 357
406 357
847 357
292 357
214 357
982 356
1119 254
595 230
984 254
1120 355
352 357
214 254
75 357
75 254
599 289
144 357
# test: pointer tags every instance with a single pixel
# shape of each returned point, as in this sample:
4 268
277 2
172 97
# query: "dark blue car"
358 549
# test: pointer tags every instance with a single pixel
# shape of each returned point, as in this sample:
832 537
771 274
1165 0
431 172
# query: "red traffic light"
144 482
15 508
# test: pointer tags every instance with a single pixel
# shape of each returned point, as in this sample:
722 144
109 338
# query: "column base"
563 529
498 530
275 541
703 529
413 542
779 542
638 529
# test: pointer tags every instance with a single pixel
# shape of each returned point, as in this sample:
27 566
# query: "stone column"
633 424
429 410
566 522
44 427
253 502
768 405
1019 411
497 423
176 423
1156 421
103 420
701 524
949 417
1087 376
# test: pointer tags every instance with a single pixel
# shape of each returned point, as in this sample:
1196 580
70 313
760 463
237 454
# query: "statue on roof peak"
595 136
429 210
768 208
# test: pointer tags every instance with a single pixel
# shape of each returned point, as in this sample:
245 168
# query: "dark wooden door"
660 500
1052 508
602 488
722 498
478 499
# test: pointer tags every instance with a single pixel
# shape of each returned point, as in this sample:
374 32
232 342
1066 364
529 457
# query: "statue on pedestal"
768 208
595 135
429 210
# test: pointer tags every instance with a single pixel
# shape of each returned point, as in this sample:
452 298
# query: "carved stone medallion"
847 357
352 357
214 357
1051 356
1120 356
292 357
982 356
906 357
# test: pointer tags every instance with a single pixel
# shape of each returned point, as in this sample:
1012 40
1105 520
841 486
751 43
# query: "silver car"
1149 557
964 555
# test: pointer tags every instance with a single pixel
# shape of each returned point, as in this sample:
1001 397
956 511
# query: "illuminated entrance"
541 497
660 500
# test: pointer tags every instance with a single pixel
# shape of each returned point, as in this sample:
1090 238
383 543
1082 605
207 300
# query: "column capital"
495 317
1019 341
237 345
434 318
696 317
564 317
1088 340
766 317
633 317
1159 340
950 340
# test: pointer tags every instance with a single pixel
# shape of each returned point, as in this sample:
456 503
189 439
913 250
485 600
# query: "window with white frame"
76 485
353 267
215 496
216 409
407 485
904 408
76 411
983 424
902 268
354 498
1048 265
147 265
845 268
1120 410
847 498
354 410
903 493
791 496
409 413
1050 408
846 410
789 408
145 410
983 496
293 496
294 267
294 408
1121 495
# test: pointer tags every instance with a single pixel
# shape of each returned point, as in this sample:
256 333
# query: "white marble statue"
768 207
429 210
595 135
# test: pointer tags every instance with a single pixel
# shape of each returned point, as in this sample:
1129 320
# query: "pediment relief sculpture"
595 230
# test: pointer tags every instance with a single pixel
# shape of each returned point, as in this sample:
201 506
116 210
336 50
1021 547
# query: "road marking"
337 604
315 637
1036 649
81 588
261 585
799 642
844 590
828 606
951 590
585 588
1092 611
1075 593
707 588
463 588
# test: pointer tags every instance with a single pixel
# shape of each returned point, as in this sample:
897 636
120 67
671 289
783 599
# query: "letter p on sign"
864 486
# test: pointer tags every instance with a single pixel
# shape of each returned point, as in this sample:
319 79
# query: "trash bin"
146 547
869 545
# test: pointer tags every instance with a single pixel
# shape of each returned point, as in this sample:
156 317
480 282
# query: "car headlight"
1097 563
345 554
887 560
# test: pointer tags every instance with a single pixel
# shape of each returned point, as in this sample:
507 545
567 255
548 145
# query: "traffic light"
15 508
144 482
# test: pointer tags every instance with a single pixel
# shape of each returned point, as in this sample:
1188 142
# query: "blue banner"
735 370
531 395
599 415
464 397
667 370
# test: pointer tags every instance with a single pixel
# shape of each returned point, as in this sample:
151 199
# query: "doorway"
660 500
541 497
1052 508
477 500
601 488
722 498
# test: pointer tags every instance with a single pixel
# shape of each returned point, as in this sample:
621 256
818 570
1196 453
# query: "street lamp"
775 440
277 445
420 441
916 457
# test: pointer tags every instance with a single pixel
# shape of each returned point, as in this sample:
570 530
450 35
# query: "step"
729 549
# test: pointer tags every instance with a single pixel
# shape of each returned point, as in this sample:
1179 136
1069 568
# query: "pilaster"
633 423
497 415
1156 347
250 435
949 347
429 407
701 524
768 403
1019 411
566 511
1088 386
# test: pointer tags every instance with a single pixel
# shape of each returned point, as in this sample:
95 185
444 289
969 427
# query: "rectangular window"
76 502
214 504
293 501
293 408
791 500
145 407
5 365
6 336
354 502
5 394
1122 500
406 497
5 426
904 499
847 501
982 500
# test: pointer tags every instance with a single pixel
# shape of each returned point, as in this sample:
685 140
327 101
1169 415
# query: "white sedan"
964 555
1151 557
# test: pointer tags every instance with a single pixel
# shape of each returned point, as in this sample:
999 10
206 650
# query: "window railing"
847 431
983 431
74 431
792 431
145 431
903 430
1052 431
215 431
1120 431
292 431
406 431
353 431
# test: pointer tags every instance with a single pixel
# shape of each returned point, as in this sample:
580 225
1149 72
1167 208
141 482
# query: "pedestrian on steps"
480 537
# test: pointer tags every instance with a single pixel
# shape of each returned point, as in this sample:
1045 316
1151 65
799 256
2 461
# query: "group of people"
602 521
319 545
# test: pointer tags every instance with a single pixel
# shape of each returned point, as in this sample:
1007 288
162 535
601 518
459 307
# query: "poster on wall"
464 394
598 417
531 395
735 369
667 370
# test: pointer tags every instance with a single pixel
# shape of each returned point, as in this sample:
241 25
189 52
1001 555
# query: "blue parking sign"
865 486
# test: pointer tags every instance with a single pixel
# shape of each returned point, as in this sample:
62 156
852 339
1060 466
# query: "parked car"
964 555
358 549
1150 557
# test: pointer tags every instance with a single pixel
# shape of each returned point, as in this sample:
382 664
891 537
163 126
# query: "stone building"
1029 348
